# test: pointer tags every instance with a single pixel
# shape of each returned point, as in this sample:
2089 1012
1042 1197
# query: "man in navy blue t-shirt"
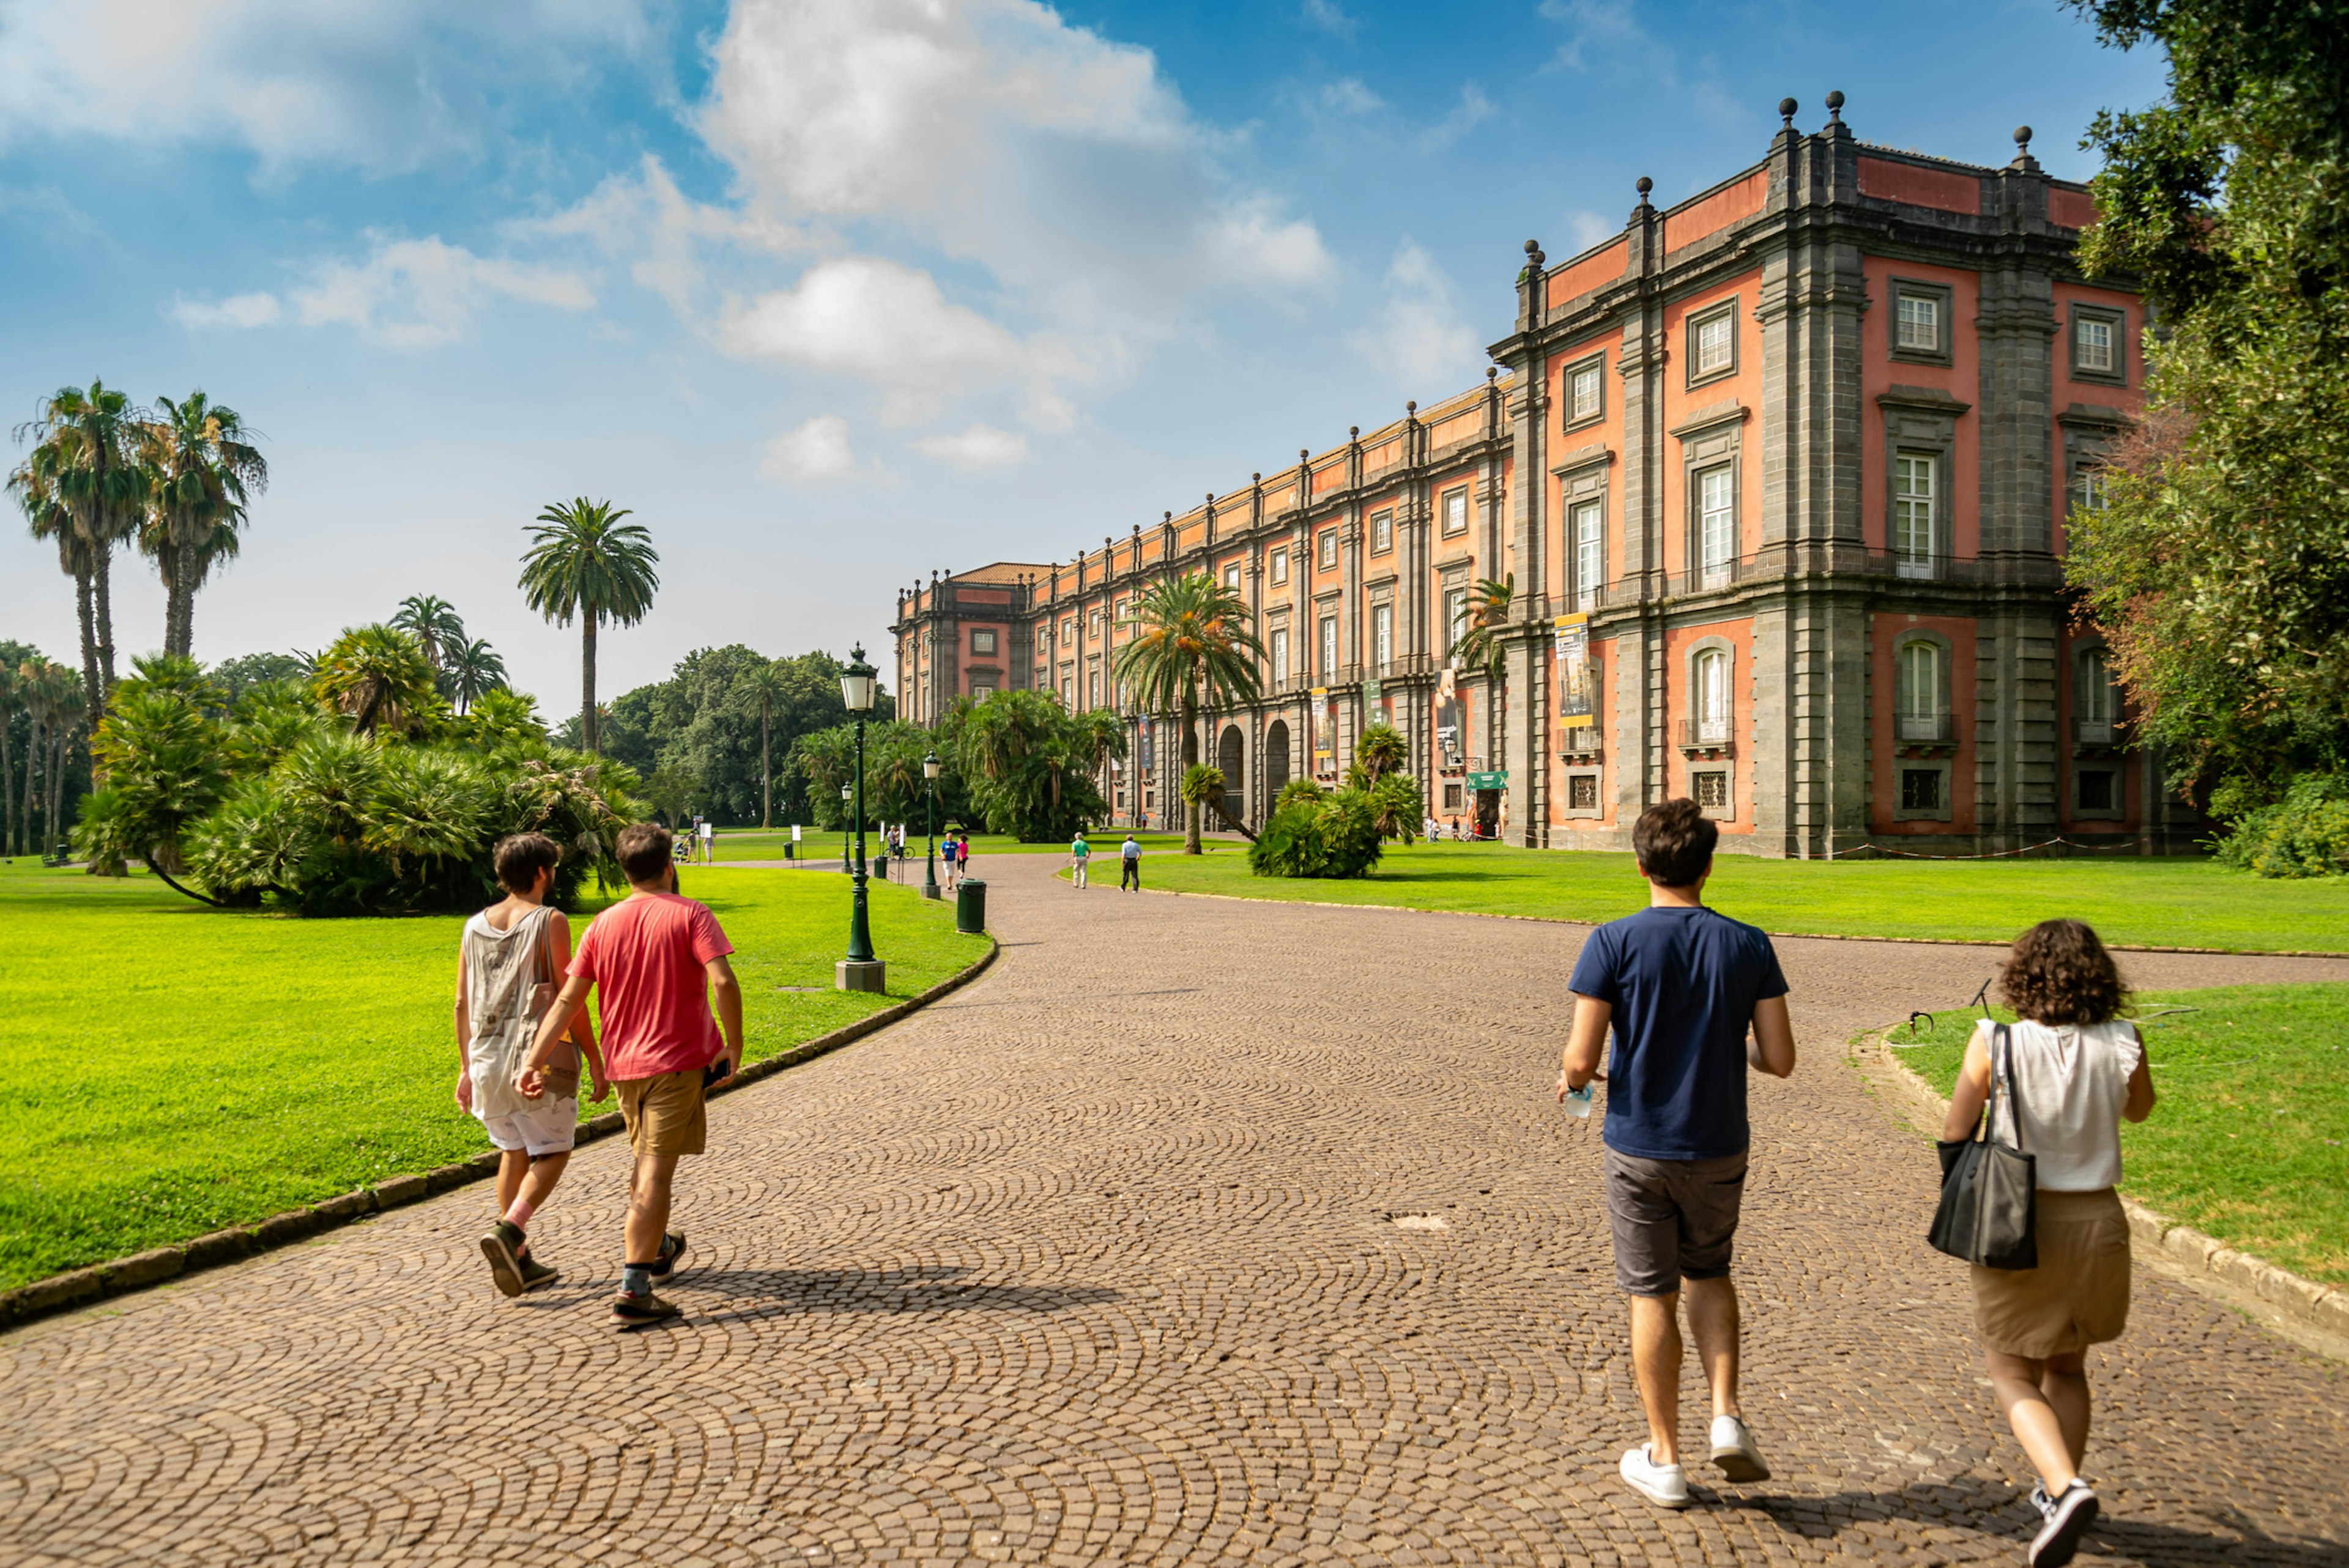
1680 985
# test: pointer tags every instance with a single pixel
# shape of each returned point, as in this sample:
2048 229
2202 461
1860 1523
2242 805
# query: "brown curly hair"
2059 973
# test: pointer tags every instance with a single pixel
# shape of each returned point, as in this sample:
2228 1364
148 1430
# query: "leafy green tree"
1188 631
1397 808
2218 564
203 471
505 720
234 677
472 671
1307 791
1483 647
1024 767
86 459
434 622
705 721
767 685
379 678
583 561
1335 836
161 747
1381 750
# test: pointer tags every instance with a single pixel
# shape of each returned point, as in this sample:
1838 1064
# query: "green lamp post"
847 794
860 971
930 856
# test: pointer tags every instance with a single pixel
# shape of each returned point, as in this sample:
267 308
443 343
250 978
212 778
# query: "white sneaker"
1663 1485
1734 1451
2067 1515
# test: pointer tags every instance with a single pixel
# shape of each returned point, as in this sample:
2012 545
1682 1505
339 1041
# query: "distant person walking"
510 961
654 960
1680 985
2077 1070
1080 853
1129 856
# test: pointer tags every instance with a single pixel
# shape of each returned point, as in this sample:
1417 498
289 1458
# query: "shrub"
2305 834
1297 789
1336 836
1398 810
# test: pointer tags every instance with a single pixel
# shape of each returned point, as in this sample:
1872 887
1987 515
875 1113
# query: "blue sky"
833 295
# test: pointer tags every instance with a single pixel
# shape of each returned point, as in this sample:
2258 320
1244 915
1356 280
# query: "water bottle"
1578 1100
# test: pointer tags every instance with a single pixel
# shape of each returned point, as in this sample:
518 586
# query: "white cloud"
1596 24
1474 110
979 447
815 451
380 86
1327 15
245 310
1585 229
1349 96
1416 335
419 293
874 318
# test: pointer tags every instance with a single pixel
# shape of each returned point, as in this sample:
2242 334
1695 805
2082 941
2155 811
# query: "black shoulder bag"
1988 1214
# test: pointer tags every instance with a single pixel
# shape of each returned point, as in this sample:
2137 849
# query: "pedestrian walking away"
1129 856
1080 853
1680 986
510 962
654 960
2069 1071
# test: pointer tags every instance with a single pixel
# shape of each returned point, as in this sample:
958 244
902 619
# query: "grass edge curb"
98 1282
2314 1305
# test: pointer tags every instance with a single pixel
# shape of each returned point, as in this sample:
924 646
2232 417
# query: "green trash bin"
970 907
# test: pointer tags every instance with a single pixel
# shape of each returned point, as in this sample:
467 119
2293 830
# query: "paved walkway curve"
1096 1261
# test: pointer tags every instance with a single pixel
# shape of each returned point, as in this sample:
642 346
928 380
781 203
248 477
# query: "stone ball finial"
1410 407
1786 107
1259 477
2023 138
1352 430
1835 105
1644 185
1532 245
1304 454
1170 517
1492 372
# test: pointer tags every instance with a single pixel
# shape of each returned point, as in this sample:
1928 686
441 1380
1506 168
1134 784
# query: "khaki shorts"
1673 1219
2079 1293
666 1114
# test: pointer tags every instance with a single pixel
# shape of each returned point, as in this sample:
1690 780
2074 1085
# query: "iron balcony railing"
1922 727
1704 732
1803 558
2095 731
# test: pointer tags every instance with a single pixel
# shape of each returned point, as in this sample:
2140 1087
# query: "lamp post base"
932 890
853 975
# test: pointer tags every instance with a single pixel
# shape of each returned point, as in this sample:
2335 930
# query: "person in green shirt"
1080 852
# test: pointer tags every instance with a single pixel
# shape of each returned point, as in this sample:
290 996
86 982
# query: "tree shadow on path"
771 1292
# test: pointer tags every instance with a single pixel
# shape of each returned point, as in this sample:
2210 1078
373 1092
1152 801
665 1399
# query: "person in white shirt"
2077 1070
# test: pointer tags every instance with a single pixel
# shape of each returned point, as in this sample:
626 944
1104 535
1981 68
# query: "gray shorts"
1673 1219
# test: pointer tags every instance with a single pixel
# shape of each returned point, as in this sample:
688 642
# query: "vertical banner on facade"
1373 708
1577 704
1325 730
1146 763
1448 719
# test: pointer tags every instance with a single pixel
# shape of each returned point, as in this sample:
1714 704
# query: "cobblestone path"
1099 1262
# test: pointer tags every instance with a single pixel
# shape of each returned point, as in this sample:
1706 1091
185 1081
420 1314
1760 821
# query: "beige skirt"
2079 1293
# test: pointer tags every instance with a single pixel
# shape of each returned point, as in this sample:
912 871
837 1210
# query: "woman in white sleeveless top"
2077 1070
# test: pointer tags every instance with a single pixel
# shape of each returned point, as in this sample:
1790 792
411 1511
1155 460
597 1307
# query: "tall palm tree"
11 700
1483 648
765 683
66 711
204 472
434 622
1381 751
473 670
34 484
585 562
32 691
1101 734
1187 630
92 439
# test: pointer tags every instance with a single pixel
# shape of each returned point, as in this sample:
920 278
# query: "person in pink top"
654 960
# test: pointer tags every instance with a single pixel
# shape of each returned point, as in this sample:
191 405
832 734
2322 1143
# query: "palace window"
1328 548
1096 689
1092 626
1382 533
1068 631
1921 692
1711 789
1328 648
981 691
1582 792
2089 490
2099 344
1712 343
1585 392
982 642
1455 513
1232 575
1280 670
1382 635
2096 697
1069 692
1455 617
1589 525
1711 681
1921 322
1279 567
1920 789
1716 523
2095 341
1914 476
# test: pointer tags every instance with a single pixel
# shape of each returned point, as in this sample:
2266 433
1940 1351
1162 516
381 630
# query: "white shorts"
550 1126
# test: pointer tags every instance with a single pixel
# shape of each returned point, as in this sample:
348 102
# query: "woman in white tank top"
2077 1070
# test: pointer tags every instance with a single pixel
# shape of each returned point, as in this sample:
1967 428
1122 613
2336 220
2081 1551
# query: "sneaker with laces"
502 1246
2068 1515
635 1311
1666 1486
536 1274
672 1252
1734 1450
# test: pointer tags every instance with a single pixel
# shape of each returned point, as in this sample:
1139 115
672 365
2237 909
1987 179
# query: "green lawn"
175 1070
2146 902
2250 1139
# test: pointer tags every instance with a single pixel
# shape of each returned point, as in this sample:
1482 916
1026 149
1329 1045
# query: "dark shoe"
2068 1517
535 1274
672 1254
502 1246
635 1311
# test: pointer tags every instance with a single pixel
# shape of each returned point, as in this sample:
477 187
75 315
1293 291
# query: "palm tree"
378 676
11 699
1101 735
585 562
1381 751
1483 649
766 683
34 484
90 440
1188 630
66 711
433 622
203 472
472 671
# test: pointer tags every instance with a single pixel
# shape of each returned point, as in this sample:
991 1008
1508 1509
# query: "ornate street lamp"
860 971
930 856
847 794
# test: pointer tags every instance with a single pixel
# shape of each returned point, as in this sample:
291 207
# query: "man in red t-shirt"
653 959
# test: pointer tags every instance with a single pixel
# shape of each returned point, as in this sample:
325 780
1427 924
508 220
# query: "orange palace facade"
1781 475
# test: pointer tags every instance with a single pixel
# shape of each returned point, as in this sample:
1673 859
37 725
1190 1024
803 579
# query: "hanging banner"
1373 710
1147 764
1448 720
1577 691
1325 728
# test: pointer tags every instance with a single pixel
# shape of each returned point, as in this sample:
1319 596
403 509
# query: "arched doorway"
1227 759
1276 762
